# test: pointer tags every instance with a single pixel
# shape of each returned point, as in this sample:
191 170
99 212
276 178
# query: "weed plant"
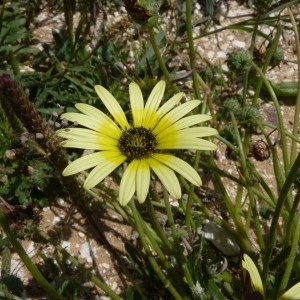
211 244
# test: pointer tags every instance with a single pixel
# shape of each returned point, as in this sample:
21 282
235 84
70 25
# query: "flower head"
257 285
141 143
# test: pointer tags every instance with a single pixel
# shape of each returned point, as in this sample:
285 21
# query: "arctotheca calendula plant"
142 142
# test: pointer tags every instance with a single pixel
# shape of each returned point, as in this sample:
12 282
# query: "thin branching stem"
279 176
297 108
151 258
293 252
279 205
252 200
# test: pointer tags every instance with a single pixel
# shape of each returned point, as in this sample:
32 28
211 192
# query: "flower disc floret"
142 142
137 143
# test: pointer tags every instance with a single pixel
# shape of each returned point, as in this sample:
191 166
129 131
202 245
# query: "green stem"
188 211
279 176
244 240
171 221
52 293
181 259
149 254
268 58
192 52
159 57
157 226
297 108
68 11
292 256
251 49
12 59
280 202
89 274
248 186
290 231
151 235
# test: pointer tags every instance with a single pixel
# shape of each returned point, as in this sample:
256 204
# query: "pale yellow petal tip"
161 84
66 172
79 105
141 200
131 84
87 186
97 86
100 90
124 200
249 265
206 116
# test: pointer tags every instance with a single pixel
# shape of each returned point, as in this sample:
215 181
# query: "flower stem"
157 226
188 211
279 177
68 12
160 59
52 293
297 108
169 213
192 52
280 202
177 239
243 235
149 254
248 186
269 55
292 256
89 274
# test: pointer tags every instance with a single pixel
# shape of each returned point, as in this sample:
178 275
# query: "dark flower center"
137 143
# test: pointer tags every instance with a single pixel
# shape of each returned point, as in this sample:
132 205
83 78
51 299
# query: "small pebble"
66 245
239 44
105 265
81 234
56 220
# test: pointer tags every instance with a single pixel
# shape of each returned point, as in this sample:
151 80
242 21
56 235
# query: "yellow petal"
142 180
137 104
87 139
88 145
127 185
169 104
166 176
90 110
180 167
174 142
175 114
198 132
191 120
292 294
88 161
153 102
156 116
104 125
112 106
102 170
188 132
83 134
249 265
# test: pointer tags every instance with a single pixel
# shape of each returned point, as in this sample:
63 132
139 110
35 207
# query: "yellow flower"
292 294
249 266
141 142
